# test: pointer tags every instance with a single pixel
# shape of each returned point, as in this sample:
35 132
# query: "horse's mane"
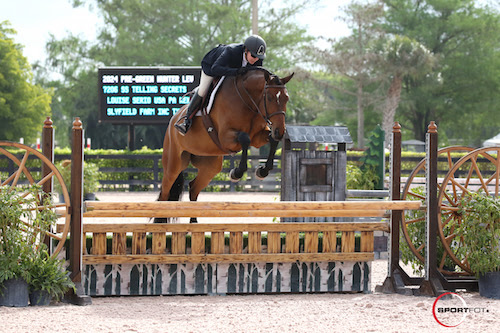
274 78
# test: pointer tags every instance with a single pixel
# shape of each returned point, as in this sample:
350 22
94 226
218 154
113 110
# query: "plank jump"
246 209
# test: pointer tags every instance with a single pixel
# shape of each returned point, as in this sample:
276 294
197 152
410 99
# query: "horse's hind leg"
208 167
173 181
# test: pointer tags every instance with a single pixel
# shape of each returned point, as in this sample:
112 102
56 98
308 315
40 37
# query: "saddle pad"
212 97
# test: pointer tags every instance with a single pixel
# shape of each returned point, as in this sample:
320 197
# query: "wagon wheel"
478 171
413 221
23 175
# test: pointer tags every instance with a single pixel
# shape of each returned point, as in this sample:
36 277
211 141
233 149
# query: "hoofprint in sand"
357 312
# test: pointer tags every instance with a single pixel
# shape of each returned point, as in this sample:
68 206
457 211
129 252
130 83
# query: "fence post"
395 194
76 199
47 151
397 279
431 284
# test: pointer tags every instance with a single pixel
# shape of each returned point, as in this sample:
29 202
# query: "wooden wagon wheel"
413 221
477 171
23 174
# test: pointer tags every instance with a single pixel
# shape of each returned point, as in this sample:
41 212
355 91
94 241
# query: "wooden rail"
245 209
265 242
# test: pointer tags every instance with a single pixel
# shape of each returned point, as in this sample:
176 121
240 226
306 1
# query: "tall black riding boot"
192 107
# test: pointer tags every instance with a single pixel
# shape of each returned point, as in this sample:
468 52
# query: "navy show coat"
225 60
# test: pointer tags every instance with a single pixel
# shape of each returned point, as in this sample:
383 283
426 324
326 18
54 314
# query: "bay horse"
249 110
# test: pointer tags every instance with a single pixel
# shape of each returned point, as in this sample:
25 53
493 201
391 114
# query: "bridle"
266 116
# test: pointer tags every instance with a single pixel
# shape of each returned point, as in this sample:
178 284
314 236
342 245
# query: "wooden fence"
149 177
148 258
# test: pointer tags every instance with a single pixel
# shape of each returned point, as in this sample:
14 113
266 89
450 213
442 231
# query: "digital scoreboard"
144 95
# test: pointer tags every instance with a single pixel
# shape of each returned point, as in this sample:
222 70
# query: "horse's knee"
244 139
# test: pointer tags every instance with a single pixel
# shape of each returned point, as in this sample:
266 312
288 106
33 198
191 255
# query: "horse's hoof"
160 220
261 173
193 220
233 177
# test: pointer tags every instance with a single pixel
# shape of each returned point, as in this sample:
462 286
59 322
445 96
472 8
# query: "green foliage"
416 232
360 179
48 274
461 93
25 218
22 226
373 158
479 231
23 105
91 176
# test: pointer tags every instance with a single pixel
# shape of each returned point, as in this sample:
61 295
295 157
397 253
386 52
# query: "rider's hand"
242 70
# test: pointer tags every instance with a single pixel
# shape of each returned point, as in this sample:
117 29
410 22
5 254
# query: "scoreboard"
144 95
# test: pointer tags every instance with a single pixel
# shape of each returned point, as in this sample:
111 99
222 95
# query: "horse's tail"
177 188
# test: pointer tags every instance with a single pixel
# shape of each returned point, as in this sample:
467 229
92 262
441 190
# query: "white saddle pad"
212 97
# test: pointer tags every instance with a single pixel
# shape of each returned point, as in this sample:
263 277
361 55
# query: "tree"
353 57
400 57
159 33
462 92
23 105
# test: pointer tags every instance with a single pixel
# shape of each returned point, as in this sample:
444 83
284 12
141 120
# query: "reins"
257 110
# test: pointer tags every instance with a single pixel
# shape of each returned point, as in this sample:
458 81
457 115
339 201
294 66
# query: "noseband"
267 117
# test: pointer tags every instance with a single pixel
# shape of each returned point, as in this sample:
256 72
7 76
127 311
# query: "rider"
231 59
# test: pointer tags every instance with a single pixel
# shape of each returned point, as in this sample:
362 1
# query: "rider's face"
251 59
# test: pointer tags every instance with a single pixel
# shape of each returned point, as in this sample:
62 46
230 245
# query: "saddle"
204 110
209 99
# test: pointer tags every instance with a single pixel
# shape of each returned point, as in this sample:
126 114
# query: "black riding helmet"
257 46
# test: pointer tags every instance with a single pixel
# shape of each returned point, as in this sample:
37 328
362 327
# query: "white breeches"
205 82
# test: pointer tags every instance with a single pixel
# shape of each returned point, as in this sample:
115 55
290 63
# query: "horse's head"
275 99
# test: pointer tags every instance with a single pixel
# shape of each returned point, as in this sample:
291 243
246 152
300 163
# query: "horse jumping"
249 111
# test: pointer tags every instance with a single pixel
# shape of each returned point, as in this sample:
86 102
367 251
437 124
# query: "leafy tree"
159 33
352 59
23 104
400 57
462 92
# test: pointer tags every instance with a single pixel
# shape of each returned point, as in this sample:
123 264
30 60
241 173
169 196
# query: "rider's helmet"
257 46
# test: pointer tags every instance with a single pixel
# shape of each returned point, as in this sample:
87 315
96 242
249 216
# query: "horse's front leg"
263 171
244 140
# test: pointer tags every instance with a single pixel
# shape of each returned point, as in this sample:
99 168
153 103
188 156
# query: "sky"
35 20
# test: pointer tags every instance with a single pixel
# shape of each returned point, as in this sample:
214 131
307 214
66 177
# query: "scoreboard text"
144 95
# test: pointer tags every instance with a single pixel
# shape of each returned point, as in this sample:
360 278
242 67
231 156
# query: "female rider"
224 60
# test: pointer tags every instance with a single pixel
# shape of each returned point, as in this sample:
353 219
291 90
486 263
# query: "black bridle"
266 116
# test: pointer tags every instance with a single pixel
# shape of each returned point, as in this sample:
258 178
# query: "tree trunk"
361 117
391 104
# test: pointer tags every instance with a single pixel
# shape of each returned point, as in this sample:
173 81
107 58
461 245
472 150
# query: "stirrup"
183 127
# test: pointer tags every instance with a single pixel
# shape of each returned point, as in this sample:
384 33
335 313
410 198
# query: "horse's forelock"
275 80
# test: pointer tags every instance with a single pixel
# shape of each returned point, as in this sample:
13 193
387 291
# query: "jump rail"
246 209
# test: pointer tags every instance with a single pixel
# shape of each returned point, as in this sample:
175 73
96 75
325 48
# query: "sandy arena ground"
373 312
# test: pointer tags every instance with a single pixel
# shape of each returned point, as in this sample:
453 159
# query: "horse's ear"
266 76
288 78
